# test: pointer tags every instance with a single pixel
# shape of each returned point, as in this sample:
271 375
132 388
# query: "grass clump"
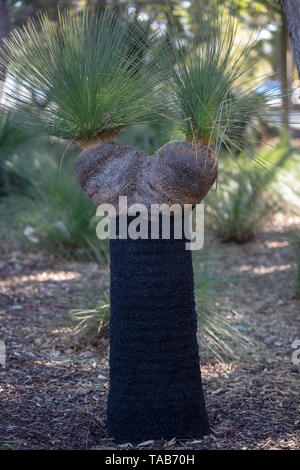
212 99
224 336
84 78
92 323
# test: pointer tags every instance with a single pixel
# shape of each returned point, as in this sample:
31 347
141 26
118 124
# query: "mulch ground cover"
54 387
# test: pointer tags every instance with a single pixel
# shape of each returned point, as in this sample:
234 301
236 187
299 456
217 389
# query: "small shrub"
53 212
246 195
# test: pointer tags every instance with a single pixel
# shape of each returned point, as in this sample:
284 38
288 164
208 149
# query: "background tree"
4 29
291 9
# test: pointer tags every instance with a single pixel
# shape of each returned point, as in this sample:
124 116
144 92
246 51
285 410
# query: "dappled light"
261 270
139 341
57 276
276 244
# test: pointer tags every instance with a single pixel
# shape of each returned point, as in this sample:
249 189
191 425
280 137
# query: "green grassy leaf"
213 100
85 78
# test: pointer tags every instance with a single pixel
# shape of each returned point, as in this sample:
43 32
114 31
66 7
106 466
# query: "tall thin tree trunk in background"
283 71
291 10
4 30
54 9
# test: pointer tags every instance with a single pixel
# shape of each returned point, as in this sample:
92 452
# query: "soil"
53 389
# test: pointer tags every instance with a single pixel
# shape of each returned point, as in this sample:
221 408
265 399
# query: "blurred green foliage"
11 139
247 195
51 211
150 137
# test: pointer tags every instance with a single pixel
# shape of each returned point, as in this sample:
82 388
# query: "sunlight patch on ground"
261 270
57 331
213 370
44 276
67 364
276 244
282 220
51 363
280 443
7 388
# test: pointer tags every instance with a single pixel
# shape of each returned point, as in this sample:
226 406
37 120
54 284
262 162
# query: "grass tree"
85 79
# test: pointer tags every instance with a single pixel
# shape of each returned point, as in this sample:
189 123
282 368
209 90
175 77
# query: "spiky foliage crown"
85 78
206 76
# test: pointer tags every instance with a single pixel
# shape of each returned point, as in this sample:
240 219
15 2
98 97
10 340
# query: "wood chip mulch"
53 389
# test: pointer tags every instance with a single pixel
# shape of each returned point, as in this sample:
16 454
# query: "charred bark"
155 380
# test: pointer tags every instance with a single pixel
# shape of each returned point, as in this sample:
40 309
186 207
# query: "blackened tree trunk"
291 9
155 380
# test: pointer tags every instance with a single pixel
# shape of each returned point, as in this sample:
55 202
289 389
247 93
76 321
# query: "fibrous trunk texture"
178 173
155 380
